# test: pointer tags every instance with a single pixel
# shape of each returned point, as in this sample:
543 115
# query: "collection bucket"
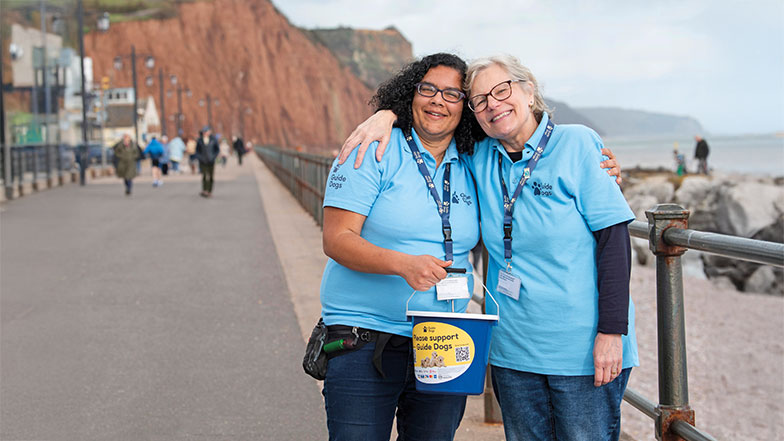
451 350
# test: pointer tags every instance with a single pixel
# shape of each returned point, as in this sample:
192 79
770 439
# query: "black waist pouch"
315 361
341 340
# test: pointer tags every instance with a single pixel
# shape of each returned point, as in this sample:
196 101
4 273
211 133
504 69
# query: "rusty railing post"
673 378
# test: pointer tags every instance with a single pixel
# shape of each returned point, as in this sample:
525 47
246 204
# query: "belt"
364 336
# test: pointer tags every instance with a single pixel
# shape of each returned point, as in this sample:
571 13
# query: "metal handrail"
669 237
750 250
27 164
689 432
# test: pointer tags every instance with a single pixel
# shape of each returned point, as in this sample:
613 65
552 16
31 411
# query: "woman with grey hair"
555 227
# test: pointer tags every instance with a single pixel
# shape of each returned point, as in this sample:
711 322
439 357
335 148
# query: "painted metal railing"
669 237
45 164
30 163
305 176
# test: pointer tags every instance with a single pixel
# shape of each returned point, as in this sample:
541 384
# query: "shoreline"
640 172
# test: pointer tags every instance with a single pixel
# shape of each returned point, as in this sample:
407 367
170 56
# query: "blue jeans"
538 407
361 405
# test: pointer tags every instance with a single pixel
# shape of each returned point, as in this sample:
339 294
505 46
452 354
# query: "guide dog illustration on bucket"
451 349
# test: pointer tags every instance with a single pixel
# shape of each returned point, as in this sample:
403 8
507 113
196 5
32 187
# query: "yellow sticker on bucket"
442 352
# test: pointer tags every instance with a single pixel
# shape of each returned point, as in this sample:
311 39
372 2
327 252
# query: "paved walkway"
161 316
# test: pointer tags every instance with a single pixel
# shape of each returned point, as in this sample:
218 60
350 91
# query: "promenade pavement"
160 316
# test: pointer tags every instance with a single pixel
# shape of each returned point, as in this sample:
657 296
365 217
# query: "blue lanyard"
443 207
509 203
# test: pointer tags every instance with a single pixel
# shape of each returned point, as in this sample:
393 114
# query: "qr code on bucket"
462 353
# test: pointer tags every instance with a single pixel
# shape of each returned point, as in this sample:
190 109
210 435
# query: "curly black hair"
397 95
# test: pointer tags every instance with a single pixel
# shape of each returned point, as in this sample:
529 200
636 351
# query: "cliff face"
245 54
374 56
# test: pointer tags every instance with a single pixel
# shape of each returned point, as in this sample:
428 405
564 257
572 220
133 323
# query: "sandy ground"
734 340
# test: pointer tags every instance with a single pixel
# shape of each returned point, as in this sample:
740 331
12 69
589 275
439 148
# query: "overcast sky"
721 61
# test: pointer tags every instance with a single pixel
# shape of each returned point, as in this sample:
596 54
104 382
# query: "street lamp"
102 25
149 62
209 103
179 88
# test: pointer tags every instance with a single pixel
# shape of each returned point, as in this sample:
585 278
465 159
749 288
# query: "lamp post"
149 62
209 103
103 25
163 102
47 100
9 189
83 149
179 89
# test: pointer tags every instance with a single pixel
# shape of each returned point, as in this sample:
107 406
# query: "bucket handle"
497 308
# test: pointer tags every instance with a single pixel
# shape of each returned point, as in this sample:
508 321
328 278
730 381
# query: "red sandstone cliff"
245 54
374 56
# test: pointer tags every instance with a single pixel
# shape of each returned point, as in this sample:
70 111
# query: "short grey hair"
515 70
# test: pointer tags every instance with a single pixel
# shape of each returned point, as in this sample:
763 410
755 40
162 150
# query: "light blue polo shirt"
551 328
401 215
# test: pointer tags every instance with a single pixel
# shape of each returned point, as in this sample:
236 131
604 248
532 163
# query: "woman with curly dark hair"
389 228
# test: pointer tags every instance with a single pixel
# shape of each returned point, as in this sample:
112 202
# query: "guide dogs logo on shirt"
542 189
456 198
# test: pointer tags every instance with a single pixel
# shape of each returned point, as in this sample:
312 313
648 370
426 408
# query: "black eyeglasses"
500 92
450 94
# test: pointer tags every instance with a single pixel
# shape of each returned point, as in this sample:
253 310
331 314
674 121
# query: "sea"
759 155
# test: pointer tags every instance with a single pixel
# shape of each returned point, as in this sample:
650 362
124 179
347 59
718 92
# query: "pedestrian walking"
239 147
155 151
190 149
207 151
165 158
125 157
176 150
701 152
223 146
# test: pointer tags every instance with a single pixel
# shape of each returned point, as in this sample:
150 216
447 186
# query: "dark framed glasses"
500 92
449 94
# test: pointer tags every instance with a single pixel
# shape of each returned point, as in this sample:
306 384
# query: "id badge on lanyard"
508 283
453 287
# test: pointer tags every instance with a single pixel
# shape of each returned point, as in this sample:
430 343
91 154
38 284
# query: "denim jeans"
361 405
538 407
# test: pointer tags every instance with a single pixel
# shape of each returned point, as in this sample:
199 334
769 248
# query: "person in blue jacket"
555 227
385 231
155 152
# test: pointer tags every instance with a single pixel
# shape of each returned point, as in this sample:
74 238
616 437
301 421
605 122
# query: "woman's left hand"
607 358
612 165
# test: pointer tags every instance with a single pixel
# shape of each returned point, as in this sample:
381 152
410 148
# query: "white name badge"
508 284
453 287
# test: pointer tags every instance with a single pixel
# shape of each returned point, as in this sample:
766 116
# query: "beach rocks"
736 205
746 208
